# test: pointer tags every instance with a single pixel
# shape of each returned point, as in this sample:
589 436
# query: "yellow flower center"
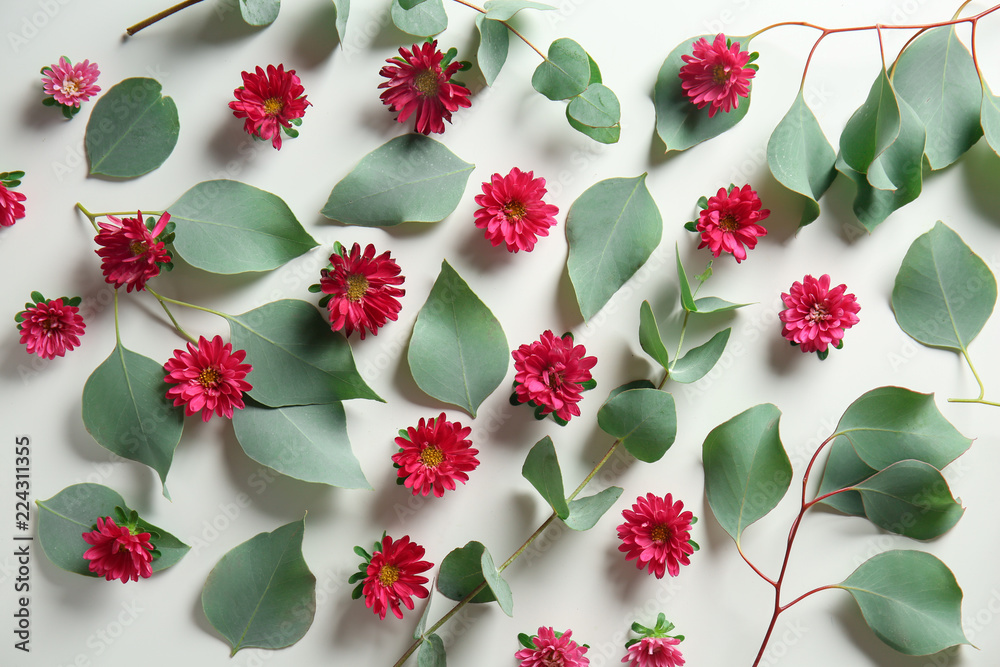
432 457
426 81
388 575
357 285
273 106
515 210
729 223
138 248
720 75
209 377
660 533
71 87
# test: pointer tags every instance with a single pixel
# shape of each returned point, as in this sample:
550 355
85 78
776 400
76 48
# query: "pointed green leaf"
541 468
687 298
66 516
259 12
410 4
584 513
596 112
844 468
937 77
747 471
422 623
990 118
132 129
644 419
343 8
801 158
296 359
231 227
432 653
679 123
872 128
698 361
944 292
565 73
462 571
496 583
307 442
910 498
411 178
910 600
126 410
503 10
494 41
612 229
458 352
649 336
261 594
634 384
422 19
712 304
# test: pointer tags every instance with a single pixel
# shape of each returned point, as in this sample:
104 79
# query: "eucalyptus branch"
162 15
507 25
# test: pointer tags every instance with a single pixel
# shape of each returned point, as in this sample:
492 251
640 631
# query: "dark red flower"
362 289
551 373
130 253
730 221
417 86
50 328
715 75
434 455
512 211
269 102
117 552
208 378
657 533
816 316
393 576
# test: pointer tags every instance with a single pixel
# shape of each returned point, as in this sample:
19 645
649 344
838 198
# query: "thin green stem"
162 15
90 216
982 388
187 305
101 215
958 11
508 26
528 542
180 330
680 341
118 335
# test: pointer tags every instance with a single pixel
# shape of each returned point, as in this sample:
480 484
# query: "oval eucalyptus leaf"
494 41
66 516
910 600
800 157
645 420
843 469
410 4
687 298
458 351
496 583
596 109
584 513
462 571
873 127
411 178
132 129
259 12
679 123
296 358
634 384
343 8
126 410
565 73
231 227
422 19
261 594
541 468
698 361
747 471
604 135
307 442
910 498
712 304
944 293
612 229
936 75
649 336
891 424
990 118
503 10
432 653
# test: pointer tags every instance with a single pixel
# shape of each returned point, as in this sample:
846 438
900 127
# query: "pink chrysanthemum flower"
11 208
362 289
512 210
434 455
553 649
393 576
270 102
551 373
657 533
716 75
655 652
208 377
50 328
816 316
730 221
70 84
417 86
117 553
130 252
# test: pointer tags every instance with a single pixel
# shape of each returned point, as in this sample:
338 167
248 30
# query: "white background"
569 580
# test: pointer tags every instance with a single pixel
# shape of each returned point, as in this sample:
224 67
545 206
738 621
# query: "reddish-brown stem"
755 569
509 27
805 595
881 46
162 15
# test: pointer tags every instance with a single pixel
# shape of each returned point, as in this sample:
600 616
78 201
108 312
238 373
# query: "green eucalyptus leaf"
679 123
649 336
422 623
873 127
259 12
503 10
565 73
612 229
261 594
645 420
132 129
423 19
910 498
496 583
541 468
343 9
458 352
843 469
126 410
698 361
944 292
494 42
990 118
462 571
584 513
307 442
410 4
634 384
66 516
801 158
597 113
747 471
687 298
231 227
296 358
936 75
432 653
411 178
712 304
910 600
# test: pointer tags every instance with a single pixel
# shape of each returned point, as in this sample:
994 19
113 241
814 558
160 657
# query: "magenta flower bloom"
270 102
393 576
362 290
551 649
512 211
11 208
131 253
717 75
417 86
434 455
816 316
209 377
730 221
655 652
50 328
70 84
117 552
551 375
657 533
